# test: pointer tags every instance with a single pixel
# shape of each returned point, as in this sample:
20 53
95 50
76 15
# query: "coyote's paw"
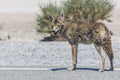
111 69
71 68
101 70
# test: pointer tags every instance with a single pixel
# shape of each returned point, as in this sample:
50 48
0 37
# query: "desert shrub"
43 20
88 10
85 10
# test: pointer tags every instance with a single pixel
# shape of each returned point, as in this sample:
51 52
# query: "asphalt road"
59 74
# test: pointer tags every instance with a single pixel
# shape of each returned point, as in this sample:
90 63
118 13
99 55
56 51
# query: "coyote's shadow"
86 69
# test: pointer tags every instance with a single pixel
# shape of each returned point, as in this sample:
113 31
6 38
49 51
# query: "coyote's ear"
62 16
50 17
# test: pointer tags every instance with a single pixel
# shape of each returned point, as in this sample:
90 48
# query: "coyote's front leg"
74 57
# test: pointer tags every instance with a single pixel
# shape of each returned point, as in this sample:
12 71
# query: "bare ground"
20 27
50 61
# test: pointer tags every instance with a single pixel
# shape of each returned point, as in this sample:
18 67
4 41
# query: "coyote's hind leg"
98 48
108 50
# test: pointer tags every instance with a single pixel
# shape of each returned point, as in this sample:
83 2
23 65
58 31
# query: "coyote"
87 33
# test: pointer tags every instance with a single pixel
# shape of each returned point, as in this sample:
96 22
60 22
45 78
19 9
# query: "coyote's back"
92 33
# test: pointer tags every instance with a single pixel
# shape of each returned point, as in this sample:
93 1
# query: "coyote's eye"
60 25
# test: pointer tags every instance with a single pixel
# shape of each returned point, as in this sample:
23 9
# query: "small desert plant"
43 20
88 10
85 10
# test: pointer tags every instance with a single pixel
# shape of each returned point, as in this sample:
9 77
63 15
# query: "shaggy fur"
87 33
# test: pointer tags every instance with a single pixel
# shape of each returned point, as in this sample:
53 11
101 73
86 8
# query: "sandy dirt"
20 27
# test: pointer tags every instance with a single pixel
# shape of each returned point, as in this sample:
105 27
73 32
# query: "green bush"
85 10
88 10
43 20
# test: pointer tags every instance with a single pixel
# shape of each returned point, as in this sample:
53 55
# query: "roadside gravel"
50 54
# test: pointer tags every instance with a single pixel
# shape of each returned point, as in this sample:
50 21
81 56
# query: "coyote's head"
57 23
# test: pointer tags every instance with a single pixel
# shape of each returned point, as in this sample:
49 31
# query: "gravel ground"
56 56
46 54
